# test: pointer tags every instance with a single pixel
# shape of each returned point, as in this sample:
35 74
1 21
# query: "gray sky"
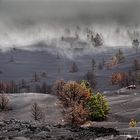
26 21
84 11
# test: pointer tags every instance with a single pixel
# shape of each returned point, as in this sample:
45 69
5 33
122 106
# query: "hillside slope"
21 107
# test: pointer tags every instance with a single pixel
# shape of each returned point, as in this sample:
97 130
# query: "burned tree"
135 44
120 56
44 74
100 66
93 64
23 83
36 77
12 59
97 40
58 87
13 88
103 61
37 88
136 65
10 87
91 78
74 68
46 88
36 112
4 102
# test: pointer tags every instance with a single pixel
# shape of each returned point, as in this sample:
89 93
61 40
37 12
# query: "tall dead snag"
36 112
4 102
35 77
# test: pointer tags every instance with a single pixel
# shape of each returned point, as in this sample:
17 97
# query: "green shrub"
98 106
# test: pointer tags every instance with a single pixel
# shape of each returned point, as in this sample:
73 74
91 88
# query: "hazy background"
23 22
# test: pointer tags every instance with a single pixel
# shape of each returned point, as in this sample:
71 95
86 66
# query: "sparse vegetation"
100 66
118 78
135 44
120 56
74 68
58 87
91 78
12 59
136 65
103 61
36 112
8 87
112 63
93 64
97 40
43 74
4 102
123 79
36 77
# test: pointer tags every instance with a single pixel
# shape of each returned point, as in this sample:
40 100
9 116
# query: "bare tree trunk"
36 112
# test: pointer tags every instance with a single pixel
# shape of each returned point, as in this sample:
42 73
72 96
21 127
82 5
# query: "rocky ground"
20 130
123 107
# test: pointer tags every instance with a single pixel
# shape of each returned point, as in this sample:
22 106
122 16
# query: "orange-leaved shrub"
81 104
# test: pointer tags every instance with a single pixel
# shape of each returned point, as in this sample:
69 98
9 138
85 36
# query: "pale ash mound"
21 107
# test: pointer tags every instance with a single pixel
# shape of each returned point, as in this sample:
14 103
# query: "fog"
25 22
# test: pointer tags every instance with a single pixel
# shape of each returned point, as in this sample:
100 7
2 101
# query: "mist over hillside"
24 24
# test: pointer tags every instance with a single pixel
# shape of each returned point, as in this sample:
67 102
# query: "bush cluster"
80 103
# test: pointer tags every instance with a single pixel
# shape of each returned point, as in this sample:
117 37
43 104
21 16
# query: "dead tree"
58 87
74 68
36 78
36 112
12 59
91 78
44 74
100 66
93 64
4 102
135 44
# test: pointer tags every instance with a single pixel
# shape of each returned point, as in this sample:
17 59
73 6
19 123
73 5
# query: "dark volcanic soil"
19 130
